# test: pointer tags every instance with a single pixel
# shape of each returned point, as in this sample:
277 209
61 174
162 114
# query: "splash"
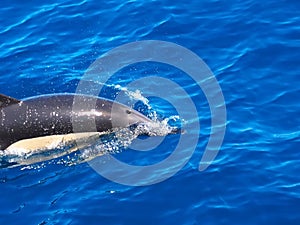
134 96
120 139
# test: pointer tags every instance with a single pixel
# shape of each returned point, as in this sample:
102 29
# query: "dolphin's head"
110 115
123 116
105 114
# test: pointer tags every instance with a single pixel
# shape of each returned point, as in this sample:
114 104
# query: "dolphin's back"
43 116
40 116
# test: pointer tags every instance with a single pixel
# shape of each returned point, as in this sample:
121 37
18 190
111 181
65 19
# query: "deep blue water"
252 47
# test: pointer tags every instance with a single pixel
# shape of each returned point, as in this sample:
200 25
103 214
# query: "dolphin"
48 119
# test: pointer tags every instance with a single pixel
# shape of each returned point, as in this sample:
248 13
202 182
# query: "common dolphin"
35 118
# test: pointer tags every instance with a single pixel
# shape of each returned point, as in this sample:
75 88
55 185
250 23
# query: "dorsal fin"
6 101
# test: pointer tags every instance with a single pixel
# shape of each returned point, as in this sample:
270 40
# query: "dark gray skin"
60 114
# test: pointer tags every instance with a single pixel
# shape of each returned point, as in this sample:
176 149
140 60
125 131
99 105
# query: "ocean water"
252 48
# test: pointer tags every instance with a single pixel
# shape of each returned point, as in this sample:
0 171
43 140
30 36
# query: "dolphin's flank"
49 115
